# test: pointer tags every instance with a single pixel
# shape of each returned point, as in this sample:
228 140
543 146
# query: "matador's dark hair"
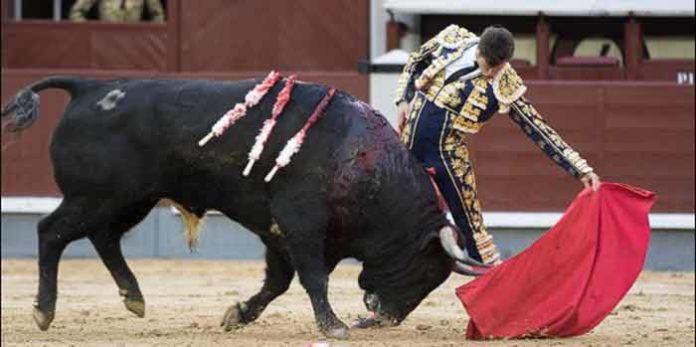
496 45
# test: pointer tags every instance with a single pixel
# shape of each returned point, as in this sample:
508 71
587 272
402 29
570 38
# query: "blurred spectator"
129 11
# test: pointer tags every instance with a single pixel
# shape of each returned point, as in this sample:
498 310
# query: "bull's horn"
467 270
449 243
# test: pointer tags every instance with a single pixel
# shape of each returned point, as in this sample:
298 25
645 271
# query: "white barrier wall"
382 86
161 235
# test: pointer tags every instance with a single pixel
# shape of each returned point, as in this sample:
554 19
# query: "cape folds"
570 279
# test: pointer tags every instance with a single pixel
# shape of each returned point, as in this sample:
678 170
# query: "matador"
448 90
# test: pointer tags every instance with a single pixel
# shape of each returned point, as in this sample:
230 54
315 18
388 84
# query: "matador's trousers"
438 146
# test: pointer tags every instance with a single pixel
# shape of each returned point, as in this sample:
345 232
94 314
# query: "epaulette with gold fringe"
508 87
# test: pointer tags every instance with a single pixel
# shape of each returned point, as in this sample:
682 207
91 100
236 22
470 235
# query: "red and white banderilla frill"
269 124
294 144
232 116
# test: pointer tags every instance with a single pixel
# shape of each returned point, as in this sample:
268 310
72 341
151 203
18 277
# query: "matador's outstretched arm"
530 121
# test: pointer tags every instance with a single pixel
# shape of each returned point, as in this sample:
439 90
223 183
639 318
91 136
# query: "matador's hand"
591 180
401 112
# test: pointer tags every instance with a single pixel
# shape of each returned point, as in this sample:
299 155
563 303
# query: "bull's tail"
23 110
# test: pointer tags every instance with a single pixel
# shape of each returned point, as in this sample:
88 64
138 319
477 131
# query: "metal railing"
57 10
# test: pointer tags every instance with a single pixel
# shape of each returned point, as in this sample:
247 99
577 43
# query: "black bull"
352 191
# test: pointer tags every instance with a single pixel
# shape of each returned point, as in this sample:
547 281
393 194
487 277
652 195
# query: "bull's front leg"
308 260
279 274
304 217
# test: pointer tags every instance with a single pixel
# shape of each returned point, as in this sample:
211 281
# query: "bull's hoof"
134 303
338 332
366 323
43 319
233 317
135 306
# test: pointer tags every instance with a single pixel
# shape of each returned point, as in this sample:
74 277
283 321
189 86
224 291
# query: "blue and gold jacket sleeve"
508 88
417 62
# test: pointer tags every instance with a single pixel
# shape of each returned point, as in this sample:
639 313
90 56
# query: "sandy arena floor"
186 299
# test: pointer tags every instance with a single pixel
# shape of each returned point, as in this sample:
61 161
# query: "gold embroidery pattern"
435 86
412 120
548 139
449 98
508 87
410 66
445 47
449 95
460 123
452 36
471 112
437 66
453 42
455 156
477 101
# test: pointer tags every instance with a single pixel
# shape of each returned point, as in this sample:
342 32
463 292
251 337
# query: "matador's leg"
458 186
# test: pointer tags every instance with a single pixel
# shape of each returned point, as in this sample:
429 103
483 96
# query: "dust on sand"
185 301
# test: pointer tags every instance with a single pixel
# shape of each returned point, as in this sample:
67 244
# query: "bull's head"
392 292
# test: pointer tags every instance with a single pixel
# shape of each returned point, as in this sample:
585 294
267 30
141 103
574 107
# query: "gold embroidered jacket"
471 100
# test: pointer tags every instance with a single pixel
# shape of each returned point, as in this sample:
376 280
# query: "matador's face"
487 70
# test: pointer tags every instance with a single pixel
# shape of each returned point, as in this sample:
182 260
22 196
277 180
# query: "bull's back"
120 135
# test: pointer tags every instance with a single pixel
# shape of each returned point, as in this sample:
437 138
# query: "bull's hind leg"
279 274
55 232
76 217
304 220
107 242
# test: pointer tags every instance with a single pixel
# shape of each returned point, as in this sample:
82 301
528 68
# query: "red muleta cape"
570 279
